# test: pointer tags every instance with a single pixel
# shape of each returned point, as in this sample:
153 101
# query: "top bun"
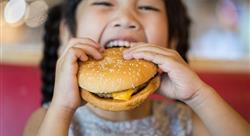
113 73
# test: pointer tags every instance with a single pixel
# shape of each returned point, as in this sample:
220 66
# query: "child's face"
129 20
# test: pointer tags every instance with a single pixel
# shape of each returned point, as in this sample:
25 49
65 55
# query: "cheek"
90 26
157 32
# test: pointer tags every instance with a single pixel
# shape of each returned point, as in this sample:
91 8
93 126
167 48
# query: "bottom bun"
118 105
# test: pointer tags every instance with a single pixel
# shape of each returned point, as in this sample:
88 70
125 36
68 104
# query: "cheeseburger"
116 84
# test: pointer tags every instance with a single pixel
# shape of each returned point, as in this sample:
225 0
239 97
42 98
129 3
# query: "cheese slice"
123 95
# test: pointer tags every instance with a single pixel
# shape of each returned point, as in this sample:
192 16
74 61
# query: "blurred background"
220 54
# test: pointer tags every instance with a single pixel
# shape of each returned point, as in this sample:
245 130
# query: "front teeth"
118 43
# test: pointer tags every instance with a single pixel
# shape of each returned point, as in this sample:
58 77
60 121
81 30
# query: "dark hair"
50 52
178 21
179 25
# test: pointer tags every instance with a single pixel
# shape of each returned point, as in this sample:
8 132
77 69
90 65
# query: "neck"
142 111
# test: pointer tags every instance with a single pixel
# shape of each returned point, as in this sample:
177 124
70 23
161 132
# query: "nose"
126 20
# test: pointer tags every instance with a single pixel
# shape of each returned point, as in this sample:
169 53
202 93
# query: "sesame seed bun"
115 74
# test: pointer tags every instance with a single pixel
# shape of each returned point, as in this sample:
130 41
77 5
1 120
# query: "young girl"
159 32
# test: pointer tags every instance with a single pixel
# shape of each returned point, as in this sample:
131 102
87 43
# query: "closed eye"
148 8
102 4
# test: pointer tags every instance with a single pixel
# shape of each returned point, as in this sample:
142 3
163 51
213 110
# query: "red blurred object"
20 94
233 87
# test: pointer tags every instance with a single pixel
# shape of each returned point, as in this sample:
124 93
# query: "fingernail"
84 58
99 56
126 56
98 45
101 49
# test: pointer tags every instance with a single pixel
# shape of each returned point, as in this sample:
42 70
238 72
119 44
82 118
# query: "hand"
178 80
66 91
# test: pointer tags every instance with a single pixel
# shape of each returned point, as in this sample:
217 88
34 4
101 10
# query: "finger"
90 50
134 46
166 63
101 49
149 47
74 54
69 62
77 41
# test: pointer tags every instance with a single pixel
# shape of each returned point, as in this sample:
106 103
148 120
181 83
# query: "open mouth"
118 43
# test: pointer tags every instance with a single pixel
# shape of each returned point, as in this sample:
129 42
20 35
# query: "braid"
50 52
